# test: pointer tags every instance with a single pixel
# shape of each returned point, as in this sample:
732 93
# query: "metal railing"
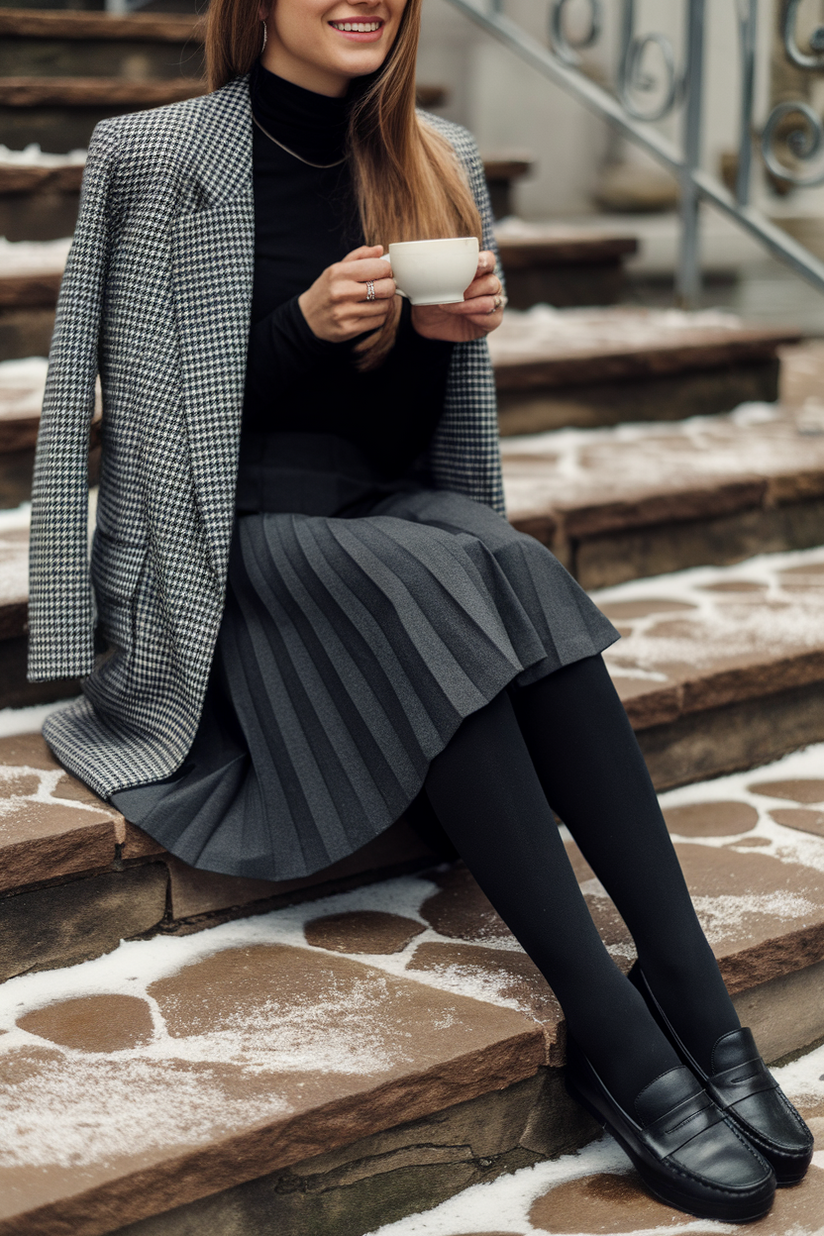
791 123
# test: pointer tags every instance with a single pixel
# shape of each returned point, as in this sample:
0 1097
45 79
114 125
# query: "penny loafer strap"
681 1124
740 1082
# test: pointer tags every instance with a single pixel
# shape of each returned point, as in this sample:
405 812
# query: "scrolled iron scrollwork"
632 78
565 47
804 141
788 32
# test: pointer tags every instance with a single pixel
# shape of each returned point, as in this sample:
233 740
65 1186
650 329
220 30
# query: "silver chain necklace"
293 153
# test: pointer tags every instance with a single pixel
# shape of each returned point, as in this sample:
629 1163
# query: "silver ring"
370 290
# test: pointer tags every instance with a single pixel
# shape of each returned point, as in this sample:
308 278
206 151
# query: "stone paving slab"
275 1052
590 367
550 347
594 1192
87 27
699 647
316 1026
635 500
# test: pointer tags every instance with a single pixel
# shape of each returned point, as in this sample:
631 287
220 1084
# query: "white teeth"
360 27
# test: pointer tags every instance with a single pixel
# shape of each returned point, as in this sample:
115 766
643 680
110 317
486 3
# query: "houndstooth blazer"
156 299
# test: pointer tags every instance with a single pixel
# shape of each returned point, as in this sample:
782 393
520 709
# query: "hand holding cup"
479 312
351 296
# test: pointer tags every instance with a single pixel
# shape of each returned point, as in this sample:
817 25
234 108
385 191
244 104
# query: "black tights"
566 740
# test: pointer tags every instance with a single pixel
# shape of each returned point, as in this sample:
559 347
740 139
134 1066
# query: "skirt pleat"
351 649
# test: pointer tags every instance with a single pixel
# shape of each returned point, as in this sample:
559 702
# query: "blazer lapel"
212 271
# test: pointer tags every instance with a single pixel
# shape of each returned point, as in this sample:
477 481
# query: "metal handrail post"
606 105
688 275
747 19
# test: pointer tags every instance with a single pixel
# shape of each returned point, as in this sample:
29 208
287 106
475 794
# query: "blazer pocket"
116 567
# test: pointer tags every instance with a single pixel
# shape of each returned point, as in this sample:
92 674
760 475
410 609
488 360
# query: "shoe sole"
664 1191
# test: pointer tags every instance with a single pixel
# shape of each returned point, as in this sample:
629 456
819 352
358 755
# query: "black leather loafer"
684 1150
747 1093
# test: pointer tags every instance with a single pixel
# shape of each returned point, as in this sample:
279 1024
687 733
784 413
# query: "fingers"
486 263
364 252
478 307
486 285
363 269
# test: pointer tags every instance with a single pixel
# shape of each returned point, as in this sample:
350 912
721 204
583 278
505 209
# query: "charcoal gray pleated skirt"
363 623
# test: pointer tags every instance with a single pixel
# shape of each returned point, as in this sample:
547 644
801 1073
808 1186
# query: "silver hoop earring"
264 38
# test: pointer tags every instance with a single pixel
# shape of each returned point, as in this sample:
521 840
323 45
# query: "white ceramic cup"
434 272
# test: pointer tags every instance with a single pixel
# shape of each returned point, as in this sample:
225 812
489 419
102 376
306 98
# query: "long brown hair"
408 183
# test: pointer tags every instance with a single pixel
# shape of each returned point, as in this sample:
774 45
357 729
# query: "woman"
310 611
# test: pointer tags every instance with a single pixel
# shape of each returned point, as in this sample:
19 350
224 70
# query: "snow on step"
560 335
557 367
714 635
286 1035
32 257
14 571
179 1066
21 397
595 1191
639 499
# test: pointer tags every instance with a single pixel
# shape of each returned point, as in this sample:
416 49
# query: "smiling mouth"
357 27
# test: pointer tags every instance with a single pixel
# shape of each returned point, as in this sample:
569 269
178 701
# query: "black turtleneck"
305 220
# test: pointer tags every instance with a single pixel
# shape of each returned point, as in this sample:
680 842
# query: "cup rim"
437 240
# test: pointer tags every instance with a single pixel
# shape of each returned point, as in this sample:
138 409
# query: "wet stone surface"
610 1203
799 790
93 1023
362 931
729 648
797 817
711 819
461 911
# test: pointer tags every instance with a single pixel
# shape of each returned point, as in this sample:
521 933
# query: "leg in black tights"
593 773
486 794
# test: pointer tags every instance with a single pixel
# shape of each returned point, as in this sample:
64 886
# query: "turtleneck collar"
313 125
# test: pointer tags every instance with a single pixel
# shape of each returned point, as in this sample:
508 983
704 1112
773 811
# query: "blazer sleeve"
61 606
465 453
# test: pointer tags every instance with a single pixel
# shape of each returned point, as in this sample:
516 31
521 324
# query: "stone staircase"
349 1059
182 1051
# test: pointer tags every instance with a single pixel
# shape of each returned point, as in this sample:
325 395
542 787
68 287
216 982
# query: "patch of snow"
15 518
33 156
21 386
30 720
725 916
33 257
74 1112
546 329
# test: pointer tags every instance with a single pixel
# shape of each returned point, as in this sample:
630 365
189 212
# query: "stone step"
59 113
138 46
76 45
721 668
595 1190
638 500
588 367
502 169
564 266
347 1060
21 396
